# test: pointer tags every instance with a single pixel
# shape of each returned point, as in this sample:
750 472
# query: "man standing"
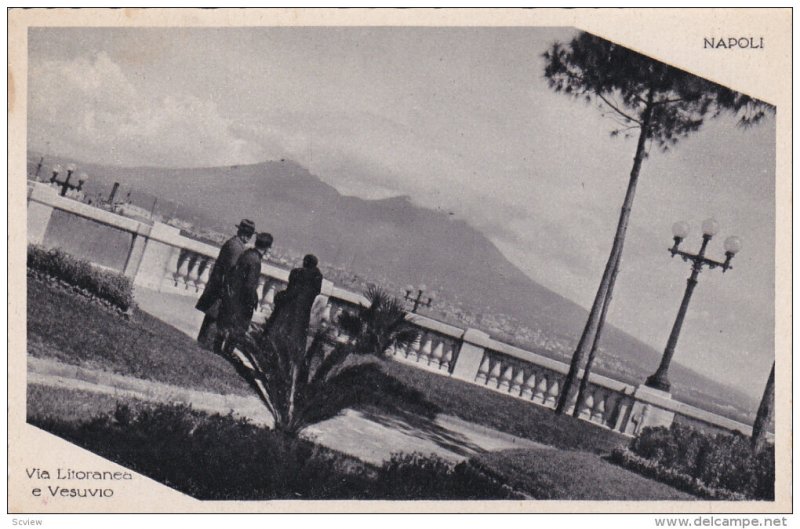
240 295
292 310
210 300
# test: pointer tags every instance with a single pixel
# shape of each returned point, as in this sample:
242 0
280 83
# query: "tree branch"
668 101
617 110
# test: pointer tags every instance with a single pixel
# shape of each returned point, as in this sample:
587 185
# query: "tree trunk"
616 251
597 337
764 415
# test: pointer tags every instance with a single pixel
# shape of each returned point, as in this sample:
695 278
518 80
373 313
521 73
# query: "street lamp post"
39 168
680 230
66 185
415 296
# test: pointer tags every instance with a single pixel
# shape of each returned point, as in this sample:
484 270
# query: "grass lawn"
572 475
502 412
74 330
69 405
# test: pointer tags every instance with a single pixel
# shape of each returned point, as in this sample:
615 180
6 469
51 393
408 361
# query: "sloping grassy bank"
566 474
74 330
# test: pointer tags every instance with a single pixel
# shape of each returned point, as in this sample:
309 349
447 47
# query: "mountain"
394 242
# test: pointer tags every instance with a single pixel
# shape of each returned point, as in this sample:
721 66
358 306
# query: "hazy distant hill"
393 238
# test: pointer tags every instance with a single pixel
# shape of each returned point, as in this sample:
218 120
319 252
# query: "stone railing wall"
159 258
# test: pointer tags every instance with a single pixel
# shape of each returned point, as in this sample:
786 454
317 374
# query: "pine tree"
664 104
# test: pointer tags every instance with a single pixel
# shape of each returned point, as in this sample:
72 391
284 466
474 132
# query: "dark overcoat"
240 292
292 311
228 255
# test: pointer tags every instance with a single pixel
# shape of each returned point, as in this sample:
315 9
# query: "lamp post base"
657 382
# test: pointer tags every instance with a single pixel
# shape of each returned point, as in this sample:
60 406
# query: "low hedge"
110 287
418 476
717 462
220 457
672 477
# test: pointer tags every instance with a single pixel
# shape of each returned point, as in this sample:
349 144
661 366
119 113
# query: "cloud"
89 106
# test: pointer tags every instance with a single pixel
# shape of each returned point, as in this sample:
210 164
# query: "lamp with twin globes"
680 230
415 297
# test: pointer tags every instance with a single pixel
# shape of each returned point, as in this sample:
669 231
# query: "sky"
457 119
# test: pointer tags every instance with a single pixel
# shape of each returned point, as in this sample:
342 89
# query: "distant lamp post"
680 230
415 296
56 171
66 185
39 168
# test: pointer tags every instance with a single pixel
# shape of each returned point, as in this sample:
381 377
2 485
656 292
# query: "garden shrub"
717 461
110 287
418 476
216 457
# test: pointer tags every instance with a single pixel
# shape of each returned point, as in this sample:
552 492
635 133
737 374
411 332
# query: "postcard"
455 260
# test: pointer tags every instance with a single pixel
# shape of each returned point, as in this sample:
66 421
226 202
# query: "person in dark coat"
292 311
211 298
240 295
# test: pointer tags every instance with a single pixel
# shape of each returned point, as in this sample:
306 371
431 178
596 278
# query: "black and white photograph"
396 262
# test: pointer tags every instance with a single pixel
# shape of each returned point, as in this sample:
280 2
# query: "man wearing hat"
292 312
211 298
240 295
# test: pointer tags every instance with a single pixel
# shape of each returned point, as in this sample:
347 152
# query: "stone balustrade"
437 347
159 258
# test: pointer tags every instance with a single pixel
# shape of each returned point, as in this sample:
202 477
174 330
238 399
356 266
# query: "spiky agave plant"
378 327
302 383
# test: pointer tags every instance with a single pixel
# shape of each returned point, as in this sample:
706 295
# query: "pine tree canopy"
625 83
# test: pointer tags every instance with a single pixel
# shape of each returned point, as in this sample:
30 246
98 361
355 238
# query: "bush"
416 476
215 457
717 461
224 458
111 287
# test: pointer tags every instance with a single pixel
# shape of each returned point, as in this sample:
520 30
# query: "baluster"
552 394
269 297
516 385
261 292
171 268
611 409
599 408
529 387
437 355
326 314
494 374
426 350
483 371
540 395
505 381
204 274
192 271
182 267
585 409
448 358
